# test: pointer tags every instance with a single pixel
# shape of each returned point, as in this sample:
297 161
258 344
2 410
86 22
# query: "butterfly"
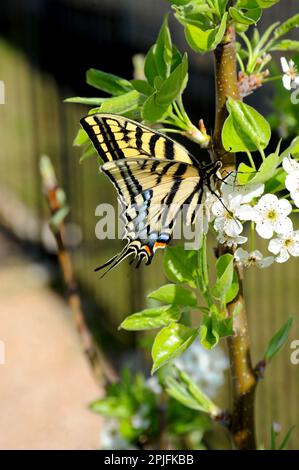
155 177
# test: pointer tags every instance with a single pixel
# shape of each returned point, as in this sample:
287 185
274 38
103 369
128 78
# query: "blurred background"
45 48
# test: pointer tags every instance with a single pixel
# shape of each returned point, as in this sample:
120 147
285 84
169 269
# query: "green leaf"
214 326
81 138
278 340
175 295
245 16
203 40
209 335
286 438
285 27
293 149
153 111
286 45
81 100
203 275
176 58
265 172
123 104
276 183
107 82
89 151
266 3
225 271
170 342
183 389
163 50
143 87
232 292
180 265
151 318
245 129
174 85
150 67
110 406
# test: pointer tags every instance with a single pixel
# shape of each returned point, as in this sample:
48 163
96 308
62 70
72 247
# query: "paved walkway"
45 383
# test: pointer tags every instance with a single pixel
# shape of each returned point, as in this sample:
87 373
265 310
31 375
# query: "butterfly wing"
116 137
152 193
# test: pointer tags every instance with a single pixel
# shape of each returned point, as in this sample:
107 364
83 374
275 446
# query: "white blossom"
290 78
285 246
229 188
227 213
271 215
230 241
140 419
205 367
291 167
253 258
153 384
110 438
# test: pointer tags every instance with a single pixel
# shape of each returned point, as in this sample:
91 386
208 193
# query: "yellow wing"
116 137
152 193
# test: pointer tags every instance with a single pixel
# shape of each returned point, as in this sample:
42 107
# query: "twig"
242 427
55 197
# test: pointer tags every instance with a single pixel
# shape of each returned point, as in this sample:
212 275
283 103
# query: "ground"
45 382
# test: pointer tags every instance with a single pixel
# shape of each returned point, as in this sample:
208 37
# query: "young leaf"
150 67
163 50
202 272
286 438
285 27
89 151
110 406
266 171
143 87
245 16
203 40
153 111
225 271
175 295
170 342
278 340
174 85
107 82
184 390
245 129
123 104
285 45
180 265
81 138
209 336
89 101
151 318
266 3
232 292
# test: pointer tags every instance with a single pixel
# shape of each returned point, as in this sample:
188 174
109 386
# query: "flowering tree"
256 197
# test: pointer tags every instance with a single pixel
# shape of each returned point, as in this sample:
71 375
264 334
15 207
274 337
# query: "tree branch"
101 369
242 425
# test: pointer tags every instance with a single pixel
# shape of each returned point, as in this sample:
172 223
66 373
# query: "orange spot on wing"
147 249
159 245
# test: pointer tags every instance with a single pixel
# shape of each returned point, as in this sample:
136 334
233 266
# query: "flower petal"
284 64
264 229
275 245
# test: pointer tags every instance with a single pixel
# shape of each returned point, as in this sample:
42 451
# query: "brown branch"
243 378
101 369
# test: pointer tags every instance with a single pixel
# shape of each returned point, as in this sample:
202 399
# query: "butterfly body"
154 177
